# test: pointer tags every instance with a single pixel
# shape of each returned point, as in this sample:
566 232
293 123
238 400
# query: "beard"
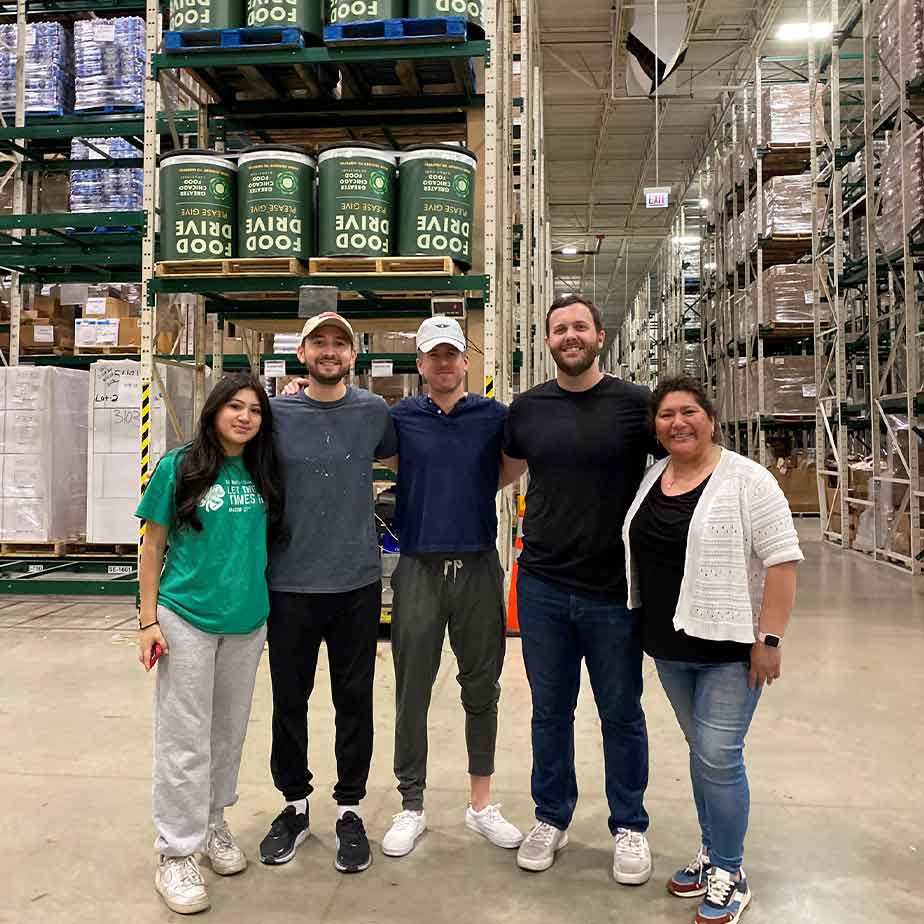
578 365
327 378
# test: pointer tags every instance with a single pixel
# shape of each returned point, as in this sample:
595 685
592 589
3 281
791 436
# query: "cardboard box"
96 332
45 334
130 332
796 475
106 307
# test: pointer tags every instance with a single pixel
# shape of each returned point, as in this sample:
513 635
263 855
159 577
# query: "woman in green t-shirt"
210 505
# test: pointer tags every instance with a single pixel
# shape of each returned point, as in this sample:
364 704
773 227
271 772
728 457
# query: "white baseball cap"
328 317
440 329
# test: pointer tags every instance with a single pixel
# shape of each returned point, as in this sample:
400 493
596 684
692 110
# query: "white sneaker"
401 837
179 882
631 857
537 852
491 824
223 852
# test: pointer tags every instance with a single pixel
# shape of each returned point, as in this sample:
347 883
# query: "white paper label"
119 569
129 391
43 333
274 368
808 391
30 36
36 569
104 31
517 67
107 331
809 298
85 332
806 205
382 368
95 306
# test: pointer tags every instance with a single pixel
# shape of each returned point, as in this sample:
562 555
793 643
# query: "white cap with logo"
440 329
328 317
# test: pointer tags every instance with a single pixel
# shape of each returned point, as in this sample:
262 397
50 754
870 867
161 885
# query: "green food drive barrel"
437 204
302 14
187 15
275 203
356 200
428 9
197 206
341 11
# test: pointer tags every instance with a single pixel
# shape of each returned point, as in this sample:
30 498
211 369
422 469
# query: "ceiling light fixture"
686 239
799 31
704 203
569 251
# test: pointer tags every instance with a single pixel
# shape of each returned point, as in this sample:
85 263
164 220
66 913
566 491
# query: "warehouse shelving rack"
869 390
224 122
484 120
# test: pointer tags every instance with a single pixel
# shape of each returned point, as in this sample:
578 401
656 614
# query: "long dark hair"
203 459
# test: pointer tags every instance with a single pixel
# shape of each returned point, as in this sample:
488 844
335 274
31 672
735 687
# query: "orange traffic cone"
513 620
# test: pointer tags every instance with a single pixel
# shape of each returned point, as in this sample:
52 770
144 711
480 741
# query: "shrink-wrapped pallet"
889 220
113 460
901 32
785 115
789 385
43 453
787 206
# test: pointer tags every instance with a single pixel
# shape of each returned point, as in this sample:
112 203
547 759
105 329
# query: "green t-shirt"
216 578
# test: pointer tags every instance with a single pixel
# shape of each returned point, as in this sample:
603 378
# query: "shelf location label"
274 368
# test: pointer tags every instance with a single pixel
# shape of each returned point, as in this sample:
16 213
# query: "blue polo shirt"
448 466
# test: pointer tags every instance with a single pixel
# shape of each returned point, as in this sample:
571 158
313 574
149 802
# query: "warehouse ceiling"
600 147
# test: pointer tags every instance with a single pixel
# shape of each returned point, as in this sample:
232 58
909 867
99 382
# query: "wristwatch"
770 640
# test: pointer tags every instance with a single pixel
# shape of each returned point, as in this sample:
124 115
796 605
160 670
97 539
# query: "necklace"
673 480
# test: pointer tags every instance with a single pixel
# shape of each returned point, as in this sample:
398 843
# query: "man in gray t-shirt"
325 583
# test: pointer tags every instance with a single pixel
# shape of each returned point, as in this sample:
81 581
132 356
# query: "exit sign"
657 197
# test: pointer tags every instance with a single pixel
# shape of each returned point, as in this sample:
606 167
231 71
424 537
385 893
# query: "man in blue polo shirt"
449 574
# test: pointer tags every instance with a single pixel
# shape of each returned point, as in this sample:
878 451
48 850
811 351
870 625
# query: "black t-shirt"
586 453
658 534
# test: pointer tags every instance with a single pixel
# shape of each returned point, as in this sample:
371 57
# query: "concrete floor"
835 759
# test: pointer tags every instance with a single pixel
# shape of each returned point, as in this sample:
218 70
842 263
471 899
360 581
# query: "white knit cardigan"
741 526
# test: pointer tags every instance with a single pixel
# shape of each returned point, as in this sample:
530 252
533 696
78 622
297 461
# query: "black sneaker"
353 854
287 831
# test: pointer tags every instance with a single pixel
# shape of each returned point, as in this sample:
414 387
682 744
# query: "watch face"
772 641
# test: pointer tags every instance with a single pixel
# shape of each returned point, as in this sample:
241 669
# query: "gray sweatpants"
201 706
465 591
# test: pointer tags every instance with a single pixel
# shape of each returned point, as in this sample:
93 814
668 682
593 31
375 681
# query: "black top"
658 534
586 453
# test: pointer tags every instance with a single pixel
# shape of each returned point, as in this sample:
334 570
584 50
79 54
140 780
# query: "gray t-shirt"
326 450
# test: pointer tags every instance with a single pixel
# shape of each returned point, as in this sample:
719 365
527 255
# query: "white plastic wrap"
785 114
113 460
43 453
905 38
889 221
788 206
789 385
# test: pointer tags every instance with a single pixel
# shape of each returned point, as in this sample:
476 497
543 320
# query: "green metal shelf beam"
203 60
216 285
62 220
94 125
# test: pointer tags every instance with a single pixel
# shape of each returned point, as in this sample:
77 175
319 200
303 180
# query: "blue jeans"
557 629
714 707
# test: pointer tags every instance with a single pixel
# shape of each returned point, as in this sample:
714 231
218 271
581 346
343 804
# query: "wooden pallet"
382 266
232 266
106 351
58 548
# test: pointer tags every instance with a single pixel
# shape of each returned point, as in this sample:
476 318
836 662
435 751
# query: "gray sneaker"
631 857
537 852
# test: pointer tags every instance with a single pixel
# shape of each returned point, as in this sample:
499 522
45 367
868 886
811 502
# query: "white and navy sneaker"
690 882
726 898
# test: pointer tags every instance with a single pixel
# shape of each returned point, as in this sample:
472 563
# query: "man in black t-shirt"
585 438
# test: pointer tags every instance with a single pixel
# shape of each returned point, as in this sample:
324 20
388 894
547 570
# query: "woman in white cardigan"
711 556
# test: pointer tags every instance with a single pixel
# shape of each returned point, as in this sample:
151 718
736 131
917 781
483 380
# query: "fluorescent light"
686 239
799 31
704 203
569 251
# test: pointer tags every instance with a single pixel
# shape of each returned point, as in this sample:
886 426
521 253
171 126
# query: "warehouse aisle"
835 762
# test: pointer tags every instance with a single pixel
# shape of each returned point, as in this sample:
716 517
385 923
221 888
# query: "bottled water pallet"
402 31
249 37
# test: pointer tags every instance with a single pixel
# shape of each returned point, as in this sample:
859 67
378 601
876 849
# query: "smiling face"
683 428
573 339
443 368
328 353
238 421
